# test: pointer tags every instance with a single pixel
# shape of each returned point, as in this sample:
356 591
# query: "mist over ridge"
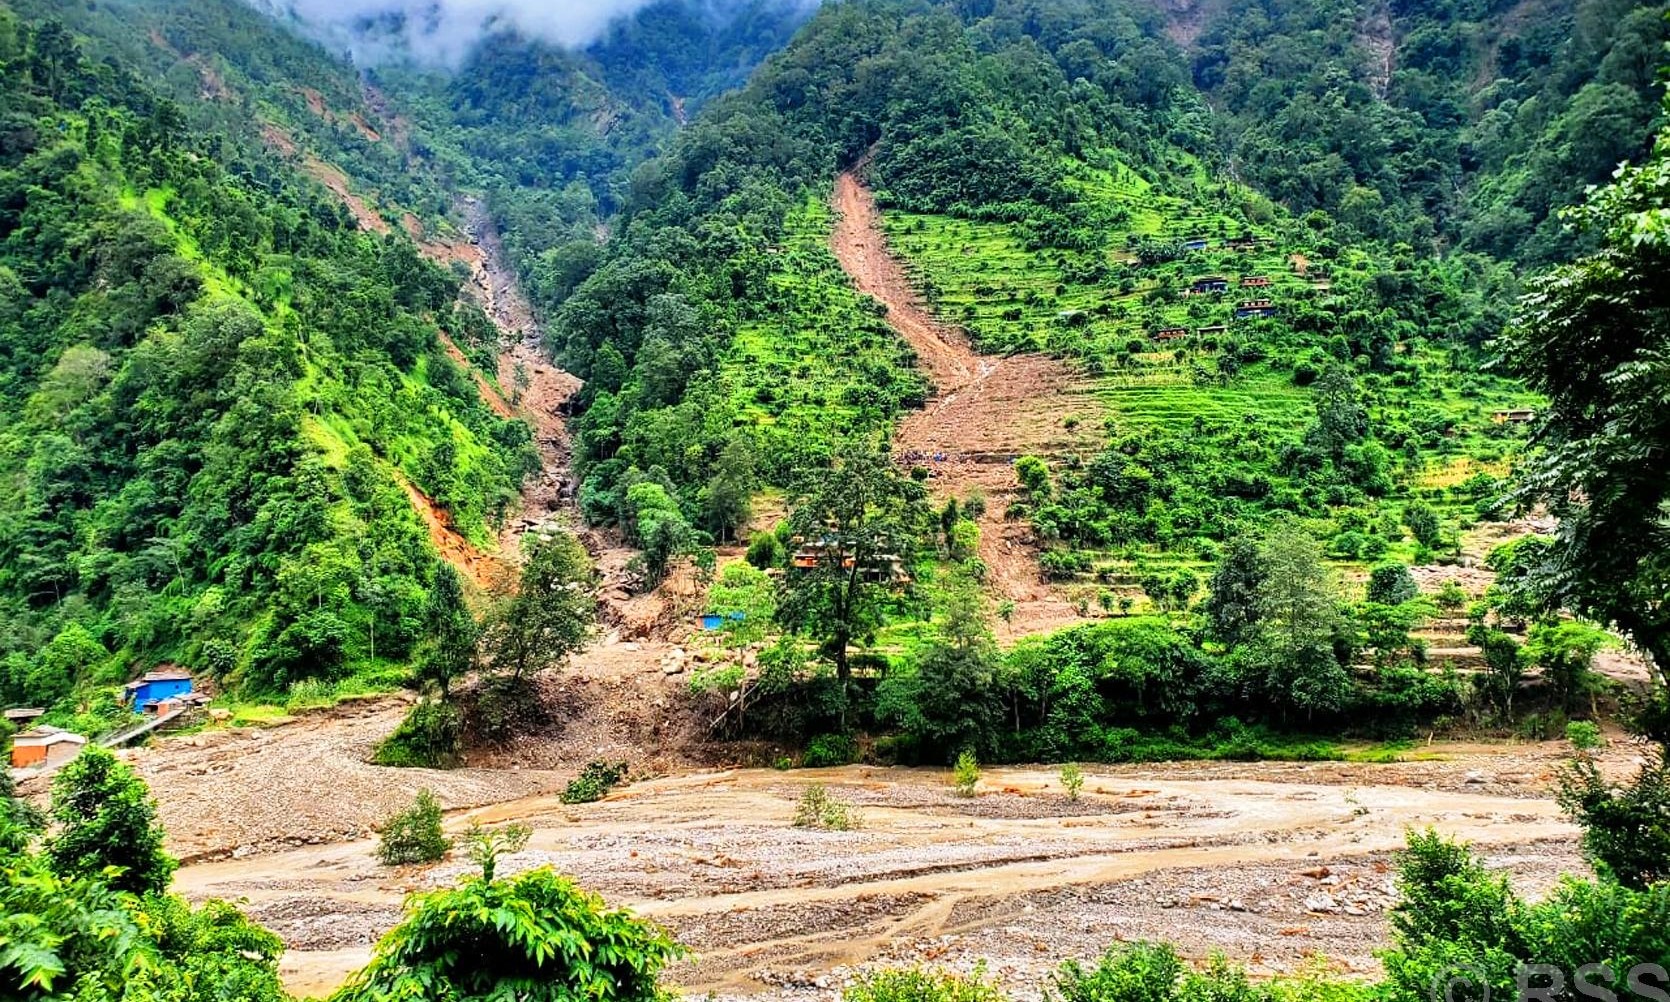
444 33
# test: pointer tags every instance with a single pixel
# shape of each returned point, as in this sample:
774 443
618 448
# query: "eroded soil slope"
986 410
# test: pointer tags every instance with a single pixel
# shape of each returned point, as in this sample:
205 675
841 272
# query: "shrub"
535 937
1135 972
1391 584
1450 597
105 818
1072 780
766 551
594 782
830 750
1584 735
966 776
414 834
309 693
431 737
485 845
819 809
917 985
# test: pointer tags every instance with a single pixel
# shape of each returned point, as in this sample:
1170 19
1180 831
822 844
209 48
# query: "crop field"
820 361
1146 307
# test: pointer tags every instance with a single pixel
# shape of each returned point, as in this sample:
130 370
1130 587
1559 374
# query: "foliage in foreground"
1455 916
1594 339
536 937
106 819
86 919
67 938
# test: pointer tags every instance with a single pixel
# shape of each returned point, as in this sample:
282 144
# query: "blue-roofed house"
154 687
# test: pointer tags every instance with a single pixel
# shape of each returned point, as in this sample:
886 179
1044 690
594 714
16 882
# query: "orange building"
45 746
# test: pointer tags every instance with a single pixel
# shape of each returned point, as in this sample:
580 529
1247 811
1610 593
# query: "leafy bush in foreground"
536 937
917 985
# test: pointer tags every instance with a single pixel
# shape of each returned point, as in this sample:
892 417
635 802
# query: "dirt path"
986 410
1264 863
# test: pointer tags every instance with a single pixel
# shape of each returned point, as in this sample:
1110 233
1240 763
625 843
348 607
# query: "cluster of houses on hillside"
160 695
1217 285
1214 285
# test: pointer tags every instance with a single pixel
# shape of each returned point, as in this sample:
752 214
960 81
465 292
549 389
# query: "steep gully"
537 392
986 410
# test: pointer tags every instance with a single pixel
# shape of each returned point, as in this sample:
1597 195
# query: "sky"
444 32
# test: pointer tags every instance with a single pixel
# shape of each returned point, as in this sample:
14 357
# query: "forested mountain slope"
254 189
1058 176
214 386
1464 123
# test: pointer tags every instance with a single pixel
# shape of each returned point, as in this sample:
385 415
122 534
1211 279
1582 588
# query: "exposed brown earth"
1267 863
986 410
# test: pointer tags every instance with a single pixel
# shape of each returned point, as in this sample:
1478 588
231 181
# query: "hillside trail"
985 411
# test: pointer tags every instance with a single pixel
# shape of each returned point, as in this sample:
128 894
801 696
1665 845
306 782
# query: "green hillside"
214 385
1055 176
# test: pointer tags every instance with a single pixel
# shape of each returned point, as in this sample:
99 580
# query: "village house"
1171 333
45 747
146 693
18 716
1209 285
1515 416
1254 308
1255 282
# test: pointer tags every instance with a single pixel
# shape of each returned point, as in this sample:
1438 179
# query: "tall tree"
1341 419
949 704
452 652
1594 337
105 819
1298 606
1297 600
550 614
856 517
1232 605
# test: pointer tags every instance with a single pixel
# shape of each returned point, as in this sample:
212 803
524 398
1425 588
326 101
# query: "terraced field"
1161 355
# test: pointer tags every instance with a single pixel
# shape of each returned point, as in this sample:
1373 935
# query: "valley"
1269 864
943 501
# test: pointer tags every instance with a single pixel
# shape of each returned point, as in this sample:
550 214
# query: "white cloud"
445 31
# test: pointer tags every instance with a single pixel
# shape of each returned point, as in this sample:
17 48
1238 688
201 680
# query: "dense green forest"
217 381
214 387
1056 176
1462 125
1057 158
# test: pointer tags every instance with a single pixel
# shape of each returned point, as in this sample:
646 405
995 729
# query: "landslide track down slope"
986 410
